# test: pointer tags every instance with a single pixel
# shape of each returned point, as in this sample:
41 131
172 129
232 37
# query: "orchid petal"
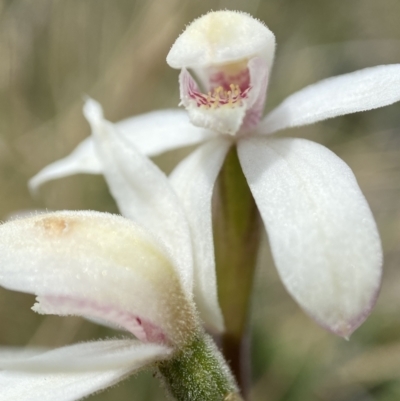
58 386
222 37
143 192
152 133
322 234
362 90
160 131
104 323
83 159
117 359
99 265
193 180
85 357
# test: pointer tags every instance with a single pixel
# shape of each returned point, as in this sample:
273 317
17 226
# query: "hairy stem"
237 227
198 372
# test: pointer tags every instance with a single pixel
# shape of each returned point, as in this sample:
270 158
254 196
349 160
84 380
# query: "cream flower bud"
231 53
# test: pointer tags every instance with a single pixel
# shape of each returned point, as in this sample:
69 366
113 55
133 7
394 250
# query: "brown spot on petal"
54 226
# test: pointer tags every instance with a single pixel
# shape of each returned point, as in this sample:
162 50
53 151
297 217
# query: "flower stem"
237 228
198 372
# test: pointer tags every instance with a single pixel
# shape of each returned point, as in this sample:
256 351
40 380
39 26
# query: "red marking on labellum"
220 78
218 97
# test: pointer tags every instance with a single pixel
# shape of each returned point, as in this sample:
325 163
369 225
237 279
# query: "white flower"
136 275
322 234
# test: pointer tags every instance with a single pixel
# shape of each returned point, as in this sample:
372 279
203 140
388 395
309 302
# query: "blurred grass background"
53 52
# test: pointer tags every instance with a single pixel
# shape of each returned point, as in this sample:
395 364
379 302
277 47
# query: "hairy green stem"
237 228
198 372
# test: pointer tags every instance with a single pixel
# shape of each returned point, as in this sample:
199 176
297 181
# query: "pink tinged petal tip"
323 236
100 265
140 327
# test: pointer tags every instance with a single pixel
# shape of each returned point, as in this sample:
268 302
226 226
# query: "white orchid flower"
323 237
134 274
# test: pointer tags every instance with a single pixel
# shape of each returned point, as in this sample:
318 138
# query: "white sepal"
83 159
151 133
193 180
116 360
96 356
323 237
143 192
99 265
160 131
362 90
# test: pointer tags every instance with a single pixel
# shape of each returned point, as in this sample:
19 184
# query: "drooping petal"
143 192
90 367
86 357
362 90
99 265
83 159
222 37
322 234
152 133
193 180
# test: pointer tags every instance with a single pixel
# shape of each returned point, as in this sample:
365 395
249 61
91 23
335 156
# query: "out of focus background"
55 52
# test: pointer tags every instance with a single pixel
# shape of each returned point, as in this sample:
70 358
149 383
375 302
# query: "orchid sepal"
114 269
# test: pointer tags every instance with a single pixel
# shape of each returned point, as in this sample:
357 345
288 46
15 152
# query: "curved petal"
193 180
143 192
362 90
99 265
83 159
151 133
87 357
322 234
117 359
57 386
162 130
